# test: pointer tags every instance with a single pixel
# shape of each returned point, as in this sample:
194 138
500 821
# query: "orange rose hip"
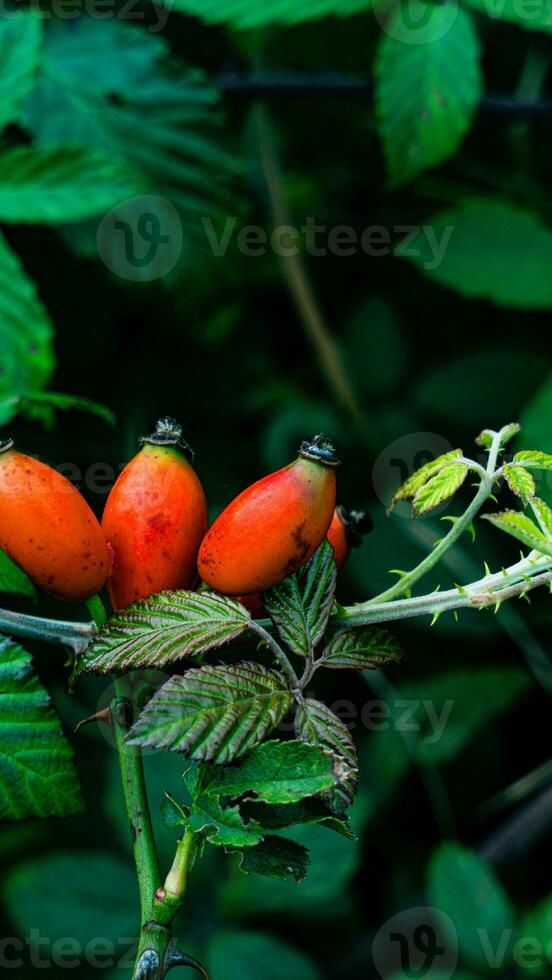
274 526
154 519
48 529
346 531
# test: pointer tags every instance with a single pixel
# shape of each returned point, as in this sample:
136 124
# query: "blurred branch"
285 84
299 286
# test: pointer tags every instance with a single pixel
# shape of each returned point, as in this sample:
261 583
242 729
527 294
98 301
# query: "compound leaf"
56 185
37 772
214 714
520 481
276 857
301 605
26 353
428 86
359 649
278 772
410 487
521 526
534 459
316 724
440 487
20 41
163 629
247 14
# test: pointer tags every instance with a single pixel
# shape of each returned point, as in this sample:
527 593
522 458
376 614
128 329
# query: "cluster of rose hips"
154 533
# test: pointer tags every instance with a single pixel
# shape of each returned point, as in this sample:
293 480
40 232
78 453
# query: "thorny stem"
488 479
514 581
277 651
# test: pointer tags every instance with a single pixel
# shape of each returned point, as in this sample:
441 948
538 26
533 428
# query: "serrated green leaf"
544 514
172 813
26 354
359 649
32 406
13 580
466 889
428 86
20 41
485 438
480 254
300 606
533 459
57 185
37 772
214 714
440 487
162 630
316 724
410 487
278 772
310 811
520 481
248 14
109 85
521 527
222 825
276 857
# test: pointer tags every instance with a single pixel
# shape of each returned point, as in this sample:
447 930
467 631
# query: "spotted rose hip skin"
274 526
154 519
346 532
48 529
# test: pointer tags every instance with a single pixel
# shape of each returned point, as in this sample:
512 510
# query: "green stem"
485 490
509 584
277 651
77 636
136 803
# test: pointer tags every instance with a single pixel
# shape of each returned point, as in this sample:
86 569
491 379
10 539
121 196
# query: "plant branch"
299 286
137 807
488 479
491 590
77 636
276 85
277 651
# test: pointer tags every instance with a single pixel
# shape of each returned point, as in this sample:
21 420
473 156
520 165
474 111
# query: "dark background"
221 345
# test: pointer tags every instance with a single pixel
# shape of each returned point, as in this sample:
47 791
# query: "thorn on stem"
103 715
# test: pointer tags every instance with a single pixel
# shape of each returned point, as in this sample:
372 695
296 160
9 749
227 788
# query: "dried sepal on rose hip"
154 519
274 526
346 532
48 529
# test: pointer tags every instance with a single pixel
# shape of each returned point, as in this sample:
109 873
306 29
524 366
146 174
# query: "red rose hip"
346 531
154 519
48 529
274 526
